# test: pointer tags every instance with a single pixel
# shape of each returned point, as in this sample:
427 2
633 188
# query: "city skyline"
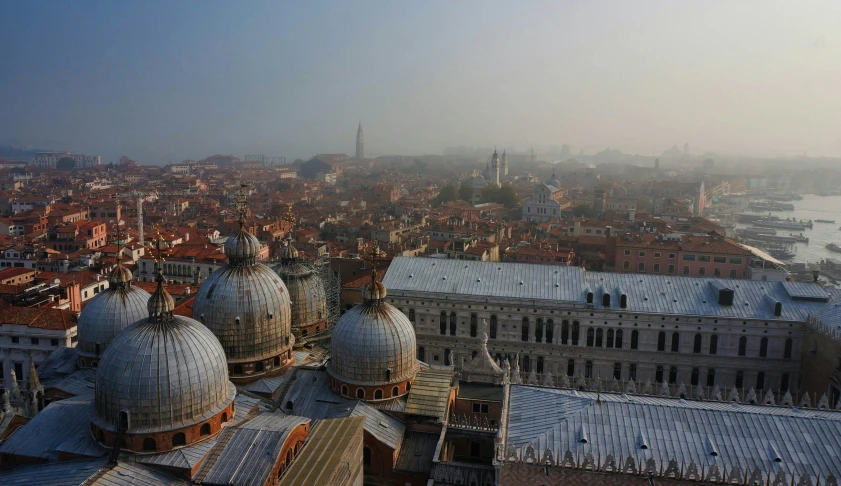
293 80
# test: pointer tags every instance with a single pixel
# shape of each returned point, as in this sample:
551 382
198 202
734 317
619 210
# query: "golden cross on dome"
159 250
241 201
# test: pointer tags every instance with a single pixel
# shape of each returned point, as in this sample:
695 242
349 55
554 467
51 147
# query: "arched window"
661 341
421 354
276 361
635 339
714 344
524 334
783 382
740 378
550 330
378 394
675 342
575 331
526 363
149 444
618 342
760 380
571 367
599 337
540 365
695 374
672 375
711 377
224 417
623 301
696 344
493 327
763 347
588 369
606 300
632 371
258 366
743 346
787 350
658 375
538 330
179 439
453 323
443 323
237 370
366 457
446 357
610 334
344 390
205 429
564 332
474 325
395 391
589 297
289 405
617 371
360 393
412 315
591 337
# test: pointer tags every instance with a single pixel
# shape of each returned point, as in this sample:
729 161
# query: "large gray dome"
167 372
109 312
245 304
373 344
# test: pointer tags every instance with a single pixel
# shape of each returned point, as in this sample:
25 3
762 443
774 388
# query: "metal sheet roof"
252 450
62 426
310 395
417 452
71 473
131 474
653 294
742 435
383 427
429 394
323 452
183 458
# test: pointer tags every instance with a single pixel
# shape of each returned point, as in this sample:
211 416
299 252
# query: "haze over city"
169 81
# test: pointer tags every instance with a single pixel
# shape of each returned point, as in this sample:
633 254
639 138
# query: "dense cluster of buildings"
334 321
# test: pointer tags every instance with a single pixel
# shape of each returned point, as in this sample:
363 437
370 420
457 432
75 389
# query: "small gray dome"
553 181
242 248
288 252
245 304
373 344
167 372
109 312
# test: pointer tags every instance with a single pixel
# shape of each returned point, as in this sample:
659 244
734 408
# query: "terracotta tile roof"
41 318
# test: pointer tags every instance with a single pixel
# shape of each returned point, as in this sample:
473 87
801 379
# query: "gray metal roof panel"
185 457
61 425
417 452
383 427
131 474
310 395
71 473
656 294
808 441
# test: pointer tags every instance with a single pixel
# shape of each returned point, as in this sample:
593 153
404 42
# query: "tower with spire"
493 174
503 164
360 142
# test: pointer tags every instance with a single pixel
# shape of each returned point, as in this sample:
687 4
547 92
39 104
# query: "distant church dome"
373 350
162 382
553 181
108 313
306 292
246 305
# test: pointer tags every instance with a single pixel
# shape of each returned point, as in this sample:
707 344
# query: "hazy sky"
163 81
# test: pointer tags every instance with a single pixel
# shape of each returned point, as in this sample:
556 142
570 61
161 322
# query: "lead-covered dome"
246 305
308 298
373 344
108 313
553 181
164 374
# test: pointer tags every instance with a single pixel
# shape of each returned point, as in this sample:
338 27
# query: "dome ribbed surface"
166 373
246 305
108 313
306 293
369 339
242 248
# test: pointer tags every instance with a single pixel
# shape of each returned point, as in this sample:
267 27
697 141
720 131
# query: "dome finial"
161 304
375 291
242 205
120 276
242 248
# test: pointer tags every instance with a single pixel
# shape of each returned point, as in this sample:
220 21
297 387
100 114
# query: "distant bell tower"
503 164
494 171
360 142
